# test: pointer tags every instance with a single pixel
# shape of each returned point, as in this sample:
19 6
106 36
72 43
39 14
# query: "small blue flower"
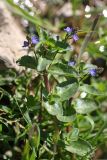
72 32
71 63
75 37
93 72
25 44
34 39
68 30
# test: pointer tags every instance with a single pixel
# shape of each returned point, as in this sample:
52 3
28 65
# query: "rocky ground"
11 39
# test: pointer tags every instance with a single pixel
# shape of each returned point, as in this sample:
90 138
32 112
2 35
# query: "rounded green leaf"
73 134
85 106
67 91
42 63
28 62
79 147
62 69
66 118
91 90
53 109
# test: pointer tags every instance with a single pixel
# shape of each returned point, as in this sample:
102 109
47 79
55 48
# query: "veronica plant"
61 108
66 125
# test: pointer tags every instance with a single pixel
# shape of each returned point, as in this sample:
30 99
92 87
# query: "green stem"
40 111
56 137
20 110
100 132
84 77
88 37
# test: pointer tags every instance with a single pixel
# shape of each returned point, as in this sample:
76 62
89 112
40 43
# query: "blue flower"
75 37
68 30
34 39
72 32
93 72
71 63
25 44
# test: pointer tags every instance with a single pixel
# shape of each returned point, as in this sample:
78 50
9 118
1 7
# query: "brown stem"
46 81
68 128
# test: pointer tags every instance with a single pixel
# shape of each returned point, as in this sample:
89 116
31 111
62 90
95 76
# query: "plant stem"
56 137
88 37
40 111
46 81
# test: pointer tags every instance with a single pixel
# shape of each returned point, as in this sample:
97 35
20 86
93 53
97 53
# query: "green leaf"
34 136
26 151
57 110
0 127
33 156
28 62
91 90
53 109
85 106
65 118
60 46
67 91
42 63
79 147
62 69
73 135
27 117
91 121
5 109
53 98
31 101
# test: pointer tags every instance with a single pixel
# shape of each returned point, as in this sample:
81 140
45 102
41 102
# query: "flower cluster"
34 40
72 33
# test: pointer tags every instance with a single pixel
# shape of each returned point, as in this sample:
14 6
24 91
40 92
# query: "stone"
11 39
